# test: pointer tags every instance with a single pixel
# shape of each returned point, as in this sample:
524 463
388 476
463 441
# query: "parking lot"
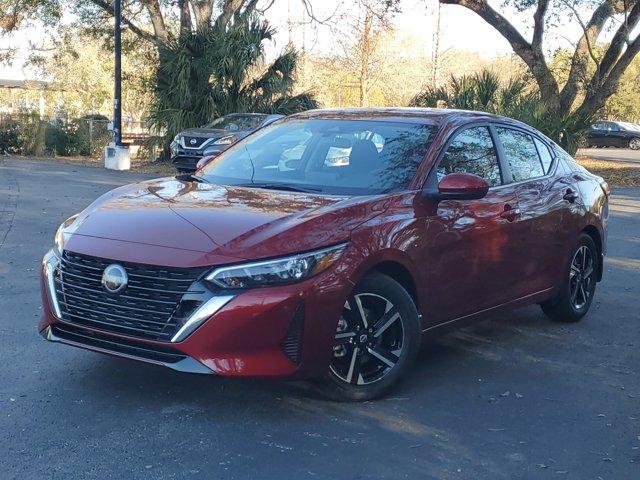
516 396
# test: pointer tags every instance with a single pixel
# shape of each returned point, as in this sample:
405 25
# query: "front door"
471 243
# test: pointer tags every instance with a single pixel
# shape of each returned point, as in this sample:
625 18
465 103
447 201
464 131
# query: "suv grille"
150 307
197 142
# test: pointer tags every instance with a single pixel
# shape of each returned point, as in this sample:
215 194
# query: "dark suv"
191 145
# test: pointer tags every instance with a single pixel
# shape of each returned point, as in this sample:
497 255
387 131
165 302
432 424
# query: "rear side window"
521 153
472 151
545 155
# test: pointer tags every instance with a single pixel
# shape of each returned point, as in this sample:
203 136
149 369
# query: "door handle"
570 196
509 213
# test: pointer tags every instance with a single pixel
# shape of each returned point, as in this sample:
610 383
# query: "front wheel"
634 144
377 338
577 293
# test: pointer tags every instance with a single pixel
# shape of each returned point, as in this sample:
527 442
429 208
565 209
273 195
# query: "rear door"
471 251
542 208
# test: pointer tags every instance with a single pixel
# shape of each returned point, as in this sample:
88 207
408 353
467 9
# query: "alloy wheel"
581 277
369 339
634 144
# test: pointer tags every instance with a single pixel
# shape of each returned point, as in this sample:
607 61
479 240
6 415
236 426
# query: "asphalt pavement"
513 397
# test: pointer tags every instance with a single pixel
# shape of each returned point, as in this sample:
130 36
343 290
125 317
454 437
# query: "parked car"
613 134
331 271
190 146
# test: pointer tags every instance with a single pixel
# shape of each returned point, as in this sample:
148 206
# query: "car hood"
234 222
209 132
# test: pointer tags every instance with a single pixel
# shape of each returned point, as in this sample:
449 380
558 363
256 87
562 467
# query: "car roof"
245 115
403 114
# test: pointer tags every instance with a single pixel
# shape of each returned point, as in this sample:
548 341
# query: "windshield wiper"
189 177
280 186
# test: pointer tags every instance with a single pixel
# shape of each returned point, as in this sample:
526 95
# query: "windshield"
235 123
630 126
326 156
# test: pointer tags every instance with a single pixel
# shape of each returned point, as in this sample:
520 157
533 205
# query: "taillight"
605 188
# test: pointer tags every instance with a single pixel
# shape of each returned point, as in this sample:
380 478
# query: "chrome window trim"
491 125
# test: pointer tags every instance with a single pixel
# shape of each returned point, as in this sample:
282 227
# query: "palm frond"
205 74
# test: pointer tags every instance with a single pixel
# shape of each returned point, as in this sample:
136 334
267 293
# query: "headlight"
63 233
277 272
228 140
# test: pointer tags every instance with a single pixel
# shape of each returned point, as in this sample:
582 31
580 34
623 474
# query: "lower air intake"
293 339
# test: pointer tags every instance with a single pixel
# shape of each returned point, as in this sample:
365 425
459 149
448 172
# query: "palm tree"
483 91
209 73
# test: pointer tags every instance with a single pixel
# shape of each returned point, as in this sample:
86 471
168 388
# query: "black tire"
571 305
634 144
397 336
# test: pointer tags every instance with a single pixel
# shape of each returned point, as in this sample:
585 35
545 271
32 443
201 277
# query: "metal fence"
29 134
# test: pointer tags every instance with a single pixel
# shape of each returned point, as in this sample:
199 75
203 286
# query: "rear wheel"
577 293
634 144
377 338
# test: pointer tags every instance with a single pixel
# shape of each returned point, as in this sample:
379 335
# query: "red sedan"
279 261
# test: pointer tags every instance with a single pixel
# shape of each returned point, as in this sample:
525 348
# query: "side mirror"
203 162
459 186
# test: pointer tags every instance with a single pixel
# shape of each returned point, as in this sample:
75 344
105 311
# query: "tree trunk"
365 57
185 16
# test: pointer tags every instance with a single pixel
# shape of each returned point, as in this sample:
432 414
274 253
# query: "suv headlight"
279 271
63 233
228 140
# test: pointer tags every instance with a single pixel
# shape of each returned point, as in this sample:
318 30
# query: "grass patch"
616 173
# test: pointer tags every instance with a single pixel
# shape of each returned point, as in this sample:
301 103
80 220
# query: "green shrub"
10 141
515 99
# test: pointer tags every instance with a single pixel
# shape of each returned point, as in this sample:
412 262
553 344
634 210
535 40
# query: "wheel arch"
398 271
594 233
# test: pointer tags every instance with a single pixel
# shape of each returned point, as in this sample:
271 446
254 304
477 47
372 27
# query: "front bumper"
281 332
186 160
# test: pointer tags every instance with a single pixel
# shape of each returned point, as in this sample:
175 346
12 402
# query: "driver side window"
472 151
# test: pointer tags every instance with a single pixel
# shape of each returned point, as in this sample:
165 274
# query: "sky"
460 30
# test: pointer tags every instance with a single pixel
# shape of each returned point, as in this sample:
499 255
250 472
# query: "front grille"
197 142
150 306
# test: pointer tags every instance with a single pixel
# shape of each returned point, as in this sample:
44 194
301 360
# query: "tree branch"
157 20
538 28
584 50
525 50
107 7
596 99
229 8
618 42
